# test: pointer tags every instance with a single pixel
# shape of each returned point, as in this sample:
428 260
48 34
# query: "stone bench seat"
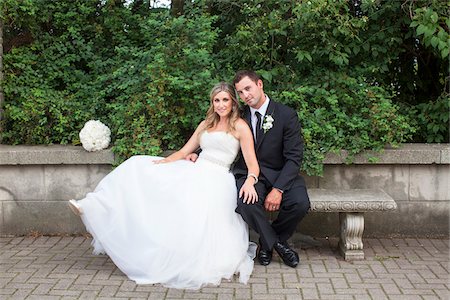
351 204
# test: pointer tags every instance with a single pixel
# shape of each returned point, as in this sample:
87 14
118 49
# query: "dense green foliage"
362 74
145 74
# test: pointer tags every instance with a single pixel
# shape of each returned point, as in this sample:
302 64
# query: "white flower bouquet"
95 136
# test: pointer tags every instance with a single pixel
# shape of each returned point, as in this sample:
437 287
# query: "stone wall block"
6 195
311 181
65 182
445 156
430 182
49 217
24 183
391 178
413 218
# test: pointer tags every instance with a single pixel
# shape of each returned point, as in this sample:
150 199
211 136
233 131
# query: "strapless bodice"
219 147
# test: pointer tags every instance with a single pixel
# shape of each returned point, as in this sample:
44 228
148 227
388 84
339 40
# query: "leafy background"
362 74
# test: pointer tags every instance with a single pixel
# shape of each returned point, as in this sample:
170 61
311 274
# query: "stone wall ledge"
53 155
406 154
75 155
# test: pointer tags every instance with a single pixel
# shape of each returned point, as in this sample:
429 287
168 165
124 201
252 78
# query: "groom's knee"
300 206
245 209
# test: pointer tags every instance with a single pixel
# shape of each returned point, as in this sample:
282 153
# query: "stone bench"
351 204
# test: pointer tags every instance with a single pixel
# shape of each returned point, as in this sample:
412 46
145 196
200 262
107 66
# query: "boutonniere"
267 123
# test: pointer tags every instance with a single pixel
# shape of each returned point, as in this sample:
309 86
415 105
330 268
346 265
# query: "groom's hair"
243 73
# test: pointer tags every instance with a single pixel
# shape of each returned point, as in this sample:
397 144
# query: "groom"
279 150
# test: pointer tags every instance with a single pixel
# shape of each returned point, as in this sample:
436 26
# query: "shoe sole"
75 208
287 262
264 264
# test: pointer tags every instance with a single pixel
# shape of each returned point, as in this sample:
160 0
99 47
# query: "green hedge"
346 66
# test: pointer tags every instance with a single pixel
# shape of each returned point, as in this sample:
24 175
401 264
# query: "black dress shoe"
289 256
264 256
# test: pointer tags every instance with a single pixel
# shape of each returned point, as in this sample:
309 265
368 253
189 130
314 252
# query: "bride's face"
223 104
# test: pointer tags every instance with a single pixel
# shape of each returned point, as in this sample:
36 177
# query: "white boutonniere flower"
95 136
267 123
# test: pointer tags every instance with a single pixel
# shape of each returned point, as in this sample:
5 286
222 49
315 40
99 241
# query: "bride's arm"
248 151
191 145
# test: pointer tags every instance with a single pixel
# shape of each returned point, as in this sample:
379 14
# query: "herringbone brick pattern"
64 268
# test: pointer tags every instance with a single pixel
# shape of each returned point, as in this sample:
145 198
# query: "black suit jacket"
279 151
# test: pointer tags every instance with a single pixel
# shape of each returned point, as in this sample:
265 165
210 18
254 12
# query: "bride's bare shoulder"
241 124
201 125
242 127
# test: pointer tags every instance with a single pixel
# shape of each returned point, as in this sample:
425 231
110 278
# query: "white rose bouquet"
95 136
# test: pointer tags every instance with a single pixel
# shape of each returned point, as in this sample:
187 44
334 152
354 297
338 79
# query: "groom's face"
251 92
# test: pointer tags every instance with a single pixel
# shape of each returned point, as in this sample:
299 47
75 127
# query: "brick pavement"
64 268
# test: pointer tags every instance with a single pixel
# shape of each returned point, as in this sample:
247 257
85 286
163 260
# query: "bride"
172 221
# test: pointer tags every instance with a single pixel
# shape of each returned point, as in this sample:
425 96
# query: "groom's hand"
273 200
191 157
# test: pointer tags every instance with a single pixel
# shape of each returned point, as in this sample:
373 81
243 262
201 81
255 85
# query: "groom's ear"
260 84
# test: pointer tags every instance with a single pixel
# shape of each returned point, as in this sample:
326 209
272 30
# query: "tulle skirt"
173 224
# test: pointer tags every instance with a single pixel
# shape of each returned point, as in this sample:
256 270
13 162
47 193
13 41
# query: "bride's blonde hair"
212 118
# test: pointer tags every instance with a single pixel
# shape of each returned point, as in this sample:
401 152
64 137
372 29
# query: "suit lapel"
247 116
270 111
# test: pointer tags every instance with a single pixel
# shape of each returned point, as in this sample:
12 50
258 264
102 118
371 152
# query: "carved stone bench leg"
350 241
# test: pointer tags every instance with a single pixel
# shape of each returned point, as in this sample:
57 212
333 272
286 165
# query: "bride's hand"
248 192
191 157
160 161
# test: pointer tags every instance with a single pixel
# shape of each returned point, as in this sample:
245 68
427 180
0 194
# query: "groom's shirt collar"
262 110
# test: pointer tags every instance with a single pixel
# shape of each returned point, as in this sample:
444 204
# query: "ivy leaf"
266 75
434 41
308 57
421 29
414 24
442 45
429 31
445 53
434 17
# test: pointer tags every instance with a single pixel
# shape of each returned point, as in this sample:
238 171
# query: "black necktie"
258 125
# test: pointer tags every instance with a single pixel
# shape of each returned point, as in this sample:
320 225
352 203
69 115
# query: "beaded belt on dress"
214 160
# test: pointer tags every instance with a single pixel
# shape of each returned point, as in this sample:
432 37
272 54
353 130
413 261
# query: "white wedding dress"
173 223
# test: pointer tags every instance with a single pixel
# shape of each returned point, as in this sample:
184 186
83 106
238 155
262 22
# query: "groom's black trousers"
294 206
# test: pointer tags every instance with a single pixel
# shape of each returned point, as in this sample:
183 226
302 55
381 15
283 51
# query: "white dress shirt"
262 110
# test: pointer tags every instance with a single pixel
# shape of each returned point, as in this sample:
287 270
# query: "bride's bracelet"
254 176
